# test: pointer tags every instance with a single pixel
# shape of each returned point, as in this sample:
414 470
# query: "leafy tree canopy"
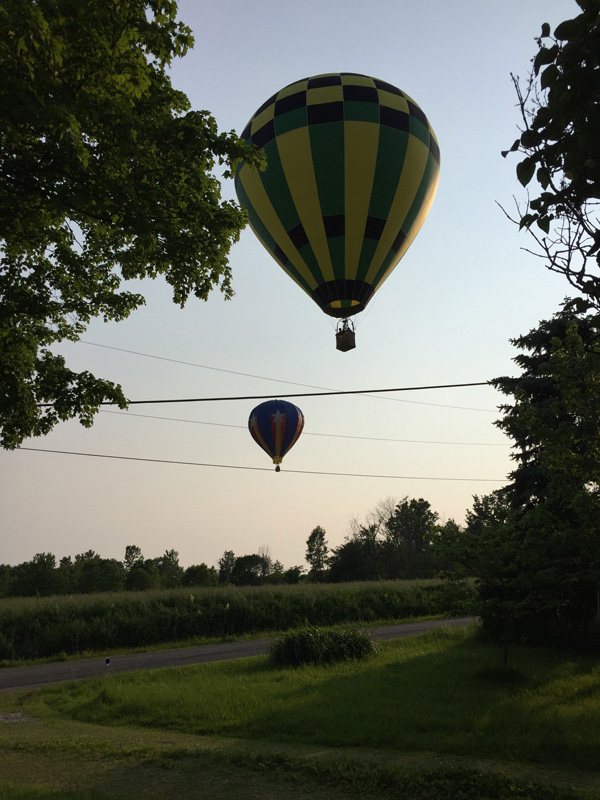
248 570
225 565
106 175
316 550
560 109
133 555
395 542
200 575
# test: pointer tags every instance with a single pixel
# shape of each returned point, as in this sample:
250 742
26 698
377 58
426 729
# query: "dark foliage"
534 546
314 646
111 174
48 627
560 111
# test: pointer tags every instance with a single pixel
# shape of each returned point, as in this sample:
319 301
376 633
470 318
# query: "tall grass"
434 693
314 646
36 628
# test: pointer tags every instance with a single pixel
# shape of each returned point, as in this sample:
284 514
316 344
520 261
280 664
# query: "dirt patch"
18 716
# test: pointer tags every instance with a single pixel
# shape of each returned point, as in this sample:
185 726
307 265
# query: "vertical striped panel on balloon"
267 226
414 166
296 159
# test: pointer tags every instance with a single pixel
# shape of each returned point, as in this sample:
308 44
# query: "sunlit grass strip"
31 629
427 693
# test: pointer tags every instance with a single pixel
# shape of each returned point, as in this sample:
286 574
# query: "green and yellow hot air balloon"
352 169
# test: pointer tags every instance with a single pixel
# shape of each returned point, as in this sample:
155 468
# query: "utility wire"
306 433
299 394
282 396
200 366
275 380
259 469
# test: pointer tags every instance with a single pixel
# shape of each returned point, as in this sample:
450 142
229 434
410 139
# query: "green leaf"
545 55
530 138
525 171
527 221
545 30
543 177
544 224
542 118
566 29
512 149
549 76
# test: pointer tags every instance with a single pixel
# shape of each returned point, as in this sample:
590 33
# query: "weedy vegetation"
55 627
314 646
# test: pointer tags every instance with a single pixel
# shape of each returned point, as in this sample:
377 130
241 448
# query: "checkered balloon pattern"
352 170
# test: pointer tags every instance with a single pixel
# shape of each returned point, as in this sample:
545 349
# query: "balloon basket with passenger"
345 336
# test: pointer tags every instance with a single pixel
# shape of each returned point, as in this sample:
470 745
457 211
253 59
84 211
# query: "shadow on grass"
440 693
456 700
503 676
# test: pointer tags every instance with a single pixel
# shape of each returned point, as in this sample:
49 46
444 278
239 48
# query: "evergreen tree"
538 546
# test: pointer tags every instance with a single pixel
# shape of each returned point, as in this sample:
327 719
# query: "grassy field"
58 627
427 717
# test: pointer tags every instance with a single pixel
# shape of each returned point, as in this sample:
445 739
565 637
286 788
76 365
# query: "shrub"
314 646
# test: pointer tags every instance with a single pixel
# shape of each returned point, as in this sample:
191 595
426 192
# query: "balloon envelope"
275 426
352 169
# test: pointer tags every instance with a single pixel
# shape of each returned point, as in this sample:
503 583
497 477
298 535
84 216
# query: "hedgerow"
47 627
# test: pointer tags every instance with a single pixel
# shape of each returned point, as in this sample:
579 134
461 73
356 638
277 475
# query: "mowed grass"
441 692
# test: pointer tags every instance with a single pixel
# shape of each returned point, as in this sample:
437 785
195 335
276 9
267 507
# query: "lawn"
428 716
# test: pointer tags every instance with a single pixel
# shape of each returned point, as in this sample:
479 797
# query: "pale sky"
445 315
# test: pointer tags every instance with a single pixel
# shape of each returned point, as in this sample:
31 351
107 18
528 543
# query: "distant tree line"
398 540
256 569
88 573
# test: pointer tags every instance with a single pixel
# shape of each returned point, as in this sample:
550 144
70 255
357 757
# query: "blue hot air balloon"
275 425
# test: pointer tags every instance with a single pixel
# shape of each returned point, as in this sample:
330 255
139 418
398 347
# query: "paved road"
34 676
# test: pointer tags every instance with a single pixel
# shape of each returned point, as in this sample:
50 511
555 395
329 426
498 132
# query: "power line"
297 394
200 366
275 380
258 469
300 394
306 433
